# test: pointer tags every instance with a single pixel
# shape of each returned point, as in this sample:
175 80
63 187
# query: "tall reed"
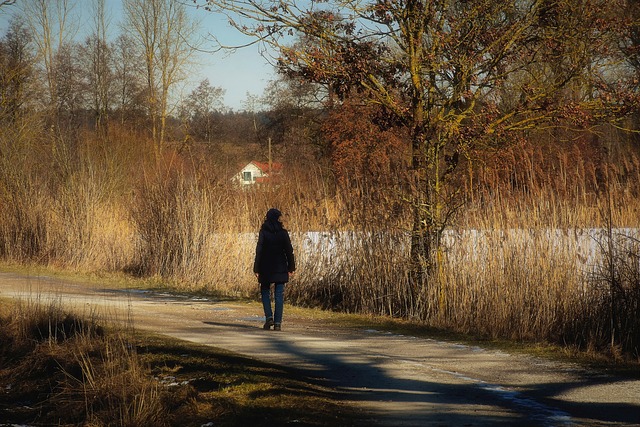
94 374
519 260
25 202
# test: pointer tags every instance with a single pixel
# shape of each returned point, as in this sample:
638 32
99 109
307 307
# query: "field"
555 260
64 367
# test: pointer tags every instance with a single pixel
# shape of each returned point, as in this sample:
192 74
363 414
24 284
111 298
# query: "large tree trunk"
428 215
423 237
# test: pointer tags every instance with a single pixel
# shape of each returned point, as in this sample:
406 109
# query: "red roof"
264 167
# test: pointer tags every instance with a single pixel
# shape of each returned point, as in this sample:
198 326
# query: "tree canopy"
452 74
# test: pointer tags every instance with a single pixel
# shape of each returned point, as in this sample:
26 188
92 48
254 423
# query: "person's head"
273 215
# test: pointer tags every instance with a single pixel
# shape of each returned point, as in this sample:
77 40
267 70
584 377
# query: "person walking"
274 263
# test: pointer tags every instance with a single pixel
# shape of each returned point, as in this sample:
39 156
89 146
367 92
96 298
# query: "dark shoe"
277 327
268 324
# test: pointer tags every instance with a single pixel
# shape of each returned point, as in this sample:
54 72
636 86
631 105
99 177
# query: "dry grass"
60 368
67 368
514 265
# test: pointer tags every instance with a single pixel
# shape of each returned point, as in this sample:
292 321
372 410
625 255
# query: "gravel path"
401 380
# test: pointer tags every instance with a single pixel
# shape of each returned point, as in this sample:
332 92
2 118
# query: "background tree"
295 110
128 84
97 57
52 27
629 46
71 88
367 161
16 72
200 107
438 69
164 33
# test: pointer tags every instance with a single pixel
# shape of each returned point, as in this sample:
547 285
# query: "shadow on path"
398 401
403 389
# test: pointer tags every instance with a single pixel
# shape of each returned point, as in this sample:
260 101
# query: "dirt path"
401 380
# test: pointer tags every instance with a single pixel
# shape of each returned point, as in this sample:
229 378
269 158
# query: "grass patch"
611 363
96 279
68 372
58 368
230 390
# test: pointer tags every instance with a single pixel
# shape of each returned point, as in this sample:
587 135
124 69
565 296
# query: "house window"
246 176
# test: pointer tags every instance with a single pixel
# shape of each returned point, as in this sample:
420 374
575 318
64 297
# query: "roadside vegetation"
58 367
188 227
533 235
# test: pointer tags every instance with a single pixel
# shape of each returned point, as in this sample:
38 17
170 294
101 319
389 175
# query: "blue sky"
238 72
241 72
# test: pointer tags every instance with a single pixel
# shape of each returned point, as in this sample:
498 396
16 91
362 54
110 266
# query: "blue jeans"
265 292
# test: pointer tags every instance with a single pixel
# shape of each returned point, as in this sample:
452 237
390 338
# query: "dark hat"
273 214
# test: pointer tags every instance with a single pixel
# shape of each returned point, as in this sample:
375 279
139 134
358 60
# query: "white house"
257 173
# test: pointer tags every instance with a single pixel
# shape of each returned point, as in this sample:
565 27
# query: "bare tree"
71 87
438 69
51 26
199 107
293 117
163 31
127 79
97 56
16 71
143 19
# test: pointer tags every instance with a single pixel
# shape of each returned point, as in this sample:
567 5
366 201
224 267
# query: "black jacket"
274 254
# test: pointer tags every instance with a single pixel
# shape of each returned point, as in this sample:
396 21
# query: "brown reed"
512 264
